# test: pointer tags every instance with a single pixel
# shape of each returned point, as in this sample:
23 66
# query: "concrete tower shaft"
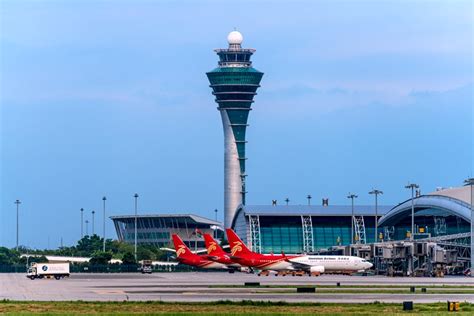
234 83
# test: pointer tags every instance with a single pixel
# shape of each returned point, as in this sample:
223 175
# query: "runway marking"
106 292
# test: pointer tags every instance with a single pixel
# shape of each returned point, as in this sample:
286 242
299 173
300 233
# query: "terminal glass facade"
429 222
285 233
157 230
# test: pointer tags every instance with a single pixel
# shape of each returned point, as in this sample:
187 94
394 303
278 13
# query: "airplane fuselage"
334 263
200 262
265 262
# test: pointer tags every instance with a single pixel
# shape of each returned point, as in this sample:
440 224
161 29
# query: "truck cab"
147 267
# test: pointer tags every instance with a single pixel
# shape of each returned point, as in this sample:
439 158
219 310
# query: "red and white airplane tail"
237 246
213 248
181 249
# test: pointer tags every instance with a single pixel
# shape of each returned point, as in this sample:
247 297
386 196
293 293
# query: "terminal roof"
313 210
192 217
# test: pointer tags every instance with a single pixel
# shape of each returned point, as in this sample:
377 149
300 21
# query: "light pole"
87 227
376 193
412 186
309 199
82 223
352 197
93 222
215 230
17 202
103 228
287 200
470 182
136 203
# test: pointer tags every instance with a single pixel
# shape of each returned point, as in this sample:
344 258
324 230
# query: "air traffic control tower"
234 84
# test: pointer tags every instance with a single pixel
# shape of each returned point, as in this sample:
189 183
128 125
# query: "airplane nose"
369 265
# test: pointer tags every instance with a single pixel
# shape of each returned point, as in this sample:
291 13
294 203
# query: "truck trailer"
48 270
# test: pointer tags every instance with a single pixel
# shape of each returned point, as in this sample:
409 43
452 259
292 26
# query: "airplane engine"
314 269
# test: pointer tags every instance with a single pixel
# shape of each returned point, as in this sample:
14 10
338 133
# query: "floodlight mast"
352 197
412 186
376 193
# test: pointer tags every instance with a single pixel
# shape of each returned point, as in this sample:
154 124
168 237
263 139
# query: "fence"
109 268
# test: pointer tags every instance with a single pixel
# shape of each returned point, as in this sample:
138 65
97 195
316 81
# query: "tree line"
88 246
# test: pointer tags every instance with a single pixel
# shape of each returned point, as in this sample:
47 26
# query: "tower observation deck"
234 84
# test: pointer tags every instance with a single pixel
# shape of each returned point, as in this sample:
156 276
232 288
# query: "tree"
88 245
128 258
31 259
8 256
100 257
145 254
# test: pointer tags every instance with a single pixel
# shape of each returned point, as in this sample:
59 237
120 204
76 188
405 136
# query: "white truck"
48 270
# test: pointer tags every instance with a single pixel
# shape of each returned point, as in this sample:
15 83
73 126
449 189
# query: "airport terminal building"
304 228
156 229
308 228
300 228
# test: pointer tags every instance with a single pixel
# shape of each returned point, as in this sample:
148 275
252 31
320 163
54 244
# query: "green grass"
247 308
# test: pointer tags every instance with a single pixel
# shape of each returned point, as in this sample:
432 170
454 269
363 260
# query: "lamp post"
87 227
287 200
412 186
17 202
309 199
136 204
93 222
376 193
215 230
82 223
470 182
103 228
352 197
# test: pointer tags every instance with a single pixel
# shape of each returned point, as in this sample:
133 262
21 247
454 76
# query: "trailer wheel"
57 277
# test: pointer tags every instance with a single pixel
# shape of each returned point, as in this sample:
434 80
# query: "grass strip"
247 308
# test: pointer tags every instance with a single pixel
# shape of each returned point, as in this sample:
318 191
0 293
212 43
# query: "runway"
215 286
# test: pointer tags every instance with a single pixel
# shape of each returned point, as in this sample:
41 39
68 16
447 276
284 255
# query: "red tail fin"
237 246
212 246
181 249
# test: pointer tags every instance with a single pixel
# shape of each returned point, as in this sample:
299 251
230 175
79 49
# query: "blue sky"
111 98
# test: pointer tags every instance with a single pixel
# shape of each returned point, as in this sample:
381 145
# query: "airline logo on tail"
237 247
212 247
181 250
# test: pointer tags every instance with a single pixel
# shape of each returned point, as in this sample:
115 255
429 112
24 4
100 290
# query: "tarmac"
215 286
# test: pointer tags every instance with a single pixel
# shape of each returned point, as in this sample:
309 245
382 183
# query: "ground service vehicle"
146 267
48 270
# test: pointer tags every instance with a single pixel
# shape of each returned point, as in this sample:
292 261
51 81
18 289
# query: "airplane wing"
174 251
168 249
305 266
200 251
299 266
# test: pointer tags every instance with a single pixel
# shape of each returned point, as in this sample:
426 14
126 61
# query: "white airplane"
328 264
311 264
